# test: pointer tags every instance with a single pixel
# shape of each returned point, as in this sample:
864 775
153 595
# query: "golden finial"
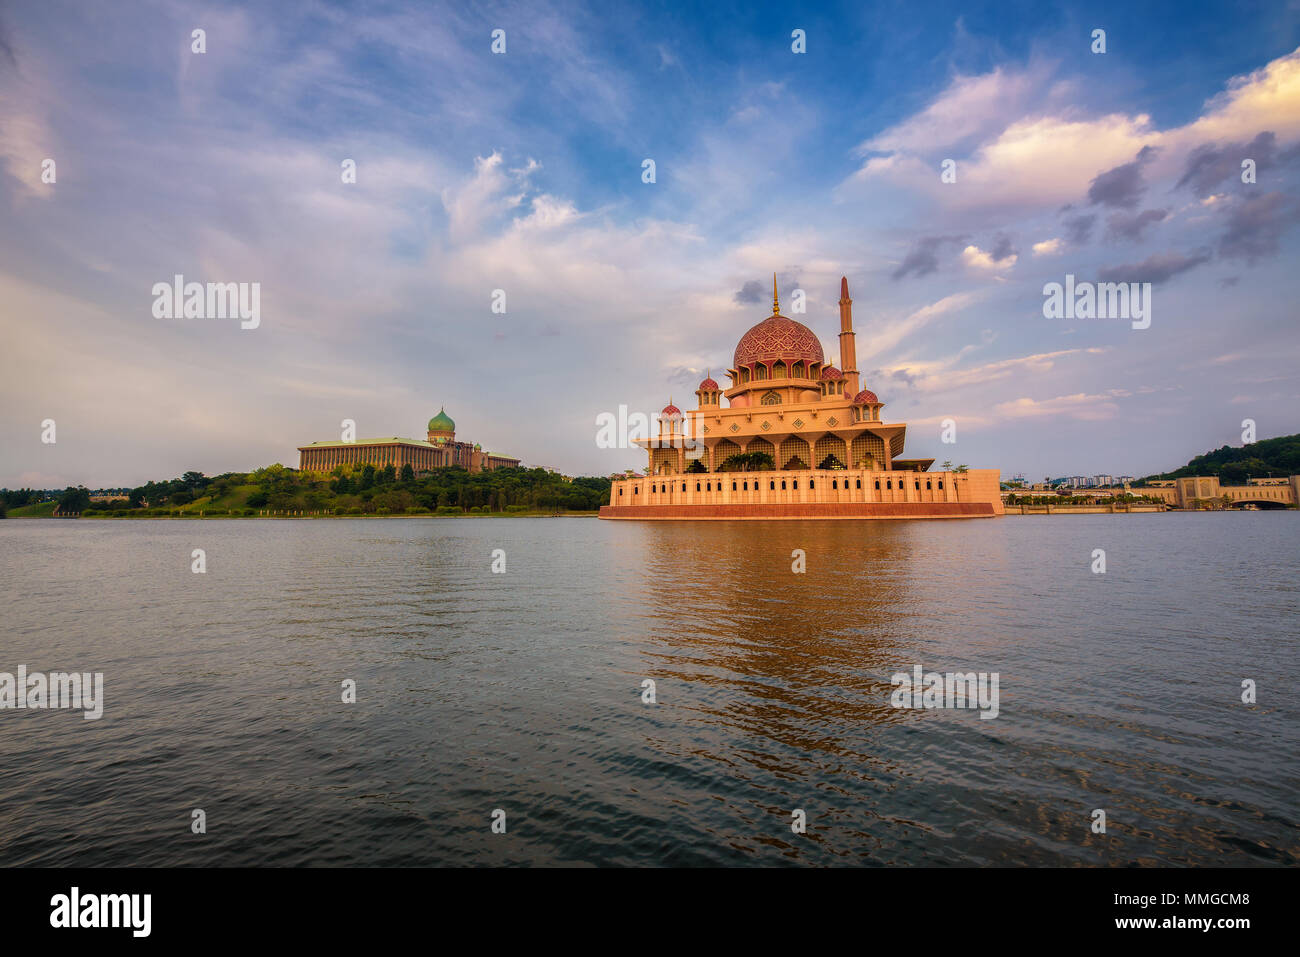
776 304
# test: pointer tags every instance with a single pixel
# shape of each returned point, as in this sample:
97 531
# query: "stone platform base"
853 510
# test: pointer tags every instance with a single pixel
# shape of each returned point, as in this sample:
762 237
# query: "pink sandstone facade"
823 450
439 451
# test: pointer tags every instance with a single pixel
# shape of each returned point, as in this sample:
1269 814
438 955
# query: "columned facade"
438 450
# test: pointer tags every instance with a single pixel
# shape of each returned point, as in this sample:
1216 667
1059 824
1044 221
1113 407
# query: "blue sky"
522 172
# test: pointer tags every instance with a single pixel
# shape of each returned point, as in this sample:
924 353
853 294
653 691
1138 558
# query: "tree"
408 473
75 499
747 462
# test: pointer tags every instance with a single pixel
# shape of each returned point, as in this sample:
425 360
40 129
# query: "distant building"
439 451
1206 490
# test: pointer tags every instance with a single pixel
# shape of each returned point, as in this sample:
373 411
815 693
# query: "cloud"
1210 164
1155 269
970 107
877 336
923 258
1051 153
1122 186
1265 99
976 258
1002 248
1079 228
751 293
1131 227
1048 247
1078 405
1255 226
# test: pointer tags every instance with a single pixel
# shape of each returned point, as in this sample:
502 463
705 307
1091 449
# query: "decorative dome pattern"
671 410
864 397
442 422
778 338
830 372
708 385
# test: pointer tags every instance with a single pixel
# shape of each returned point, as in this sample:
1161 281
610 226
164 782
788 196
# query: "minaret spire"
848 351
776 303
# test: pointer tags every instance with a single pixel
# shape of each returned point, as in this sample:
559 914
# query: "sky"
523 172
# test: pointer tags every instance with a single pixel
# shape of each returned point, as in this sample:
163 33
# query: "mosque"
439 451
797 438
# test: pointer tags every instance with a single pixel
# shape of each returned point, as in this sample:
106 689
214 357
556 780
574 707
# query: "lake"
522 691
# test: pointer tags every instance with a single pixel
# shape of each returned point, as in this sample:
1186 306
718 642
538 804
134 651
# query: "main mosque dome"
775 339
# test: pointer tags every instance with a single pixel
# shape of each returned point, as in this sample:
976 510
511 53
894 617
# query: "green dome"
442 423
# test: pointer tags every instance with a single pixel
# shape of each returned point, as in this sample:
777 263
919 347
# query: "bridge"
1262 493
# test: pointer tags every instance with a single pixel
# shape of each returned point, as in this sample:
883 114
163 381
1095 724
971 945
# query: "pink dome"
778 338
865 396
671 410
830 372
708 385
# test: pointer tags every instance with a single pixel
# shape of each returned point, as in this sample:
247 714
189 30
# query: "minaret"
848 352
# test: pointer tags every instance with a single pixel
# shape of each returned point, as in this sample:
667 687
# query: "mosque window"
620 491
772 398
927 485
835 483
877 485
697 486
889 484
683 486
940 484
917 483
812 483
795 483
771 485
636 490
859 481
782 485
733 486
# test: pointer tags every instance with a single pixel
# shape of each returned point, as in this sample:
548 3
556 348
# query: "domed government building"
439 451
797 438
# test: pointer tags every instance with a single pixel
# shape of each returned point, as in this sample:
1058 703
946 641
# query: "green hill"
39 510
1233 465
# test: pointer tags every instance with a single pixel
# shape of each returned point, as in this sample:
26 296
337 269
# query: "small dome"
864 397
442 422
708 385
671 410
830 372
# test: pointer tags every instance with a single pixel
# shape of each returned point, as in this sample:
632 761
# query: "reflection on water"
523 691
